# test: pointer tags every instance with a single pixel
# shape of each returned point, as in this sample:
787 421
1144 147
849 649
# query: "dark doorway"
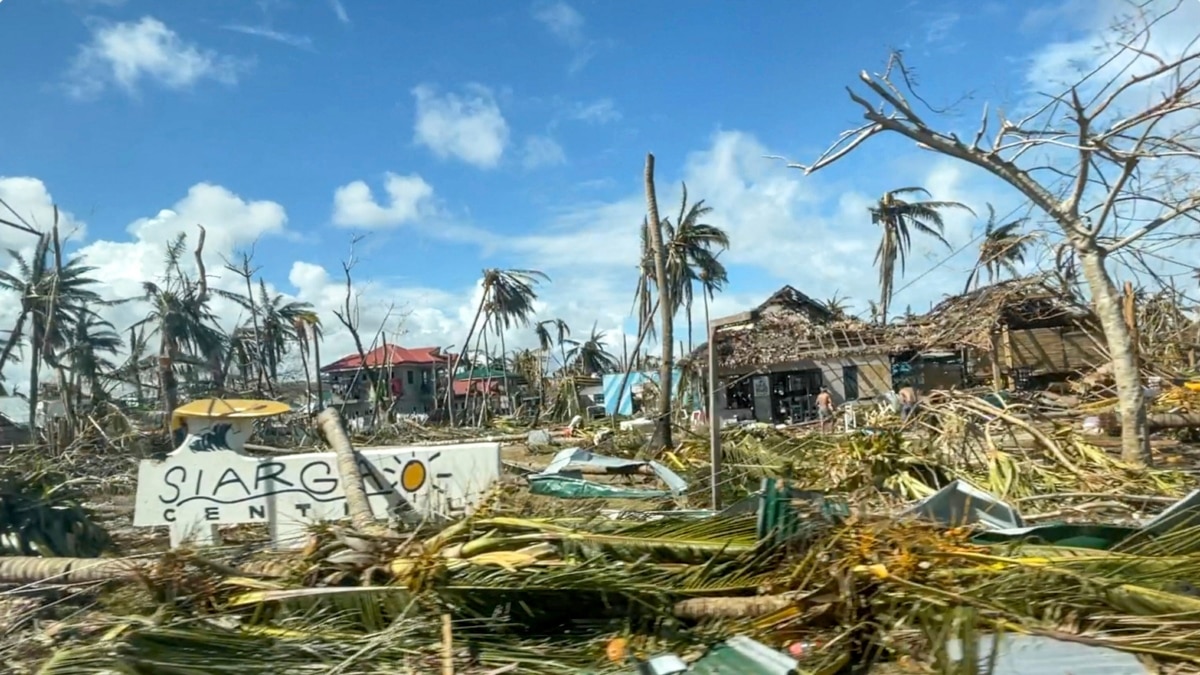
794 395
850 383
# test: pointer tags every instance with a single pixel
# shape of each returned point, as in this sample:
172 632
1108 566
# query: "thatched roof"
969 320
789 326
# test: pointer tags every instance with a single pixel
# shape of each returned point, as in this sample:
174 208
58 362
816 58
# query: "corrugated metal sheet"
738 655
1038 655
15 409
742 656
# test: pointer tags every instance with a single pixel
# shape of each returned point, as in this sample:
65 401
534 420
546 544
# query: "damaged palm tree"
1119 171
348 468
897 219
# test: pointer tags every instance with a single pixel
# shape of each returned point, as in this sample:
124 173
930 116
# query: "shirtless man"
825 409
908 402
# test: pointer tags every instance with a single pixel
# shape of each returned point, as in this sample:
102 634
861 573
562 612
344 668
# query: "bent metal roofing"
389 355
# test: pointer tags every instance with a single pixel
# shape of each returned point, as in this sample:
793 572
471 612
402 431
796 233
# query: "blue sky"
461 135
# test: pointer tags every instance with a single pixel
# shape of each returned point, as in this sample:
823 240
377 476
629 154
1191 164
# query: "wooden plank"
997 377
1006 340
819 340
1038 349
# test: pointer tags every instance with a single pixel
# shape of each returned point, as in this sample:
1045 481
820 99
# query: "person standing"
825 409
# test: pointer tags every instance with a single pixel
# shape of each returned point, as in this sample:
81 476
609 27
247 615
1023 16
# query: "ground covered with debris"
898 546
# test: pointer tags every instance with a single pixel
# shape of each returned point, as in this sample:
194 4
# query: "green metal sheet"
743 656
567 487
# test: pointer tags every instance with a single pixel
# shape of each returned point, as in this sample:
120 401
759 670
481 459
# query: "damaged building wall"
788 390
1051 351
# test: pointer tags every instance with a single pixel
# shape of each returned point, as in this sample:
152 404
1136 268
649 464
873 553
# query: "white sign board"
200 486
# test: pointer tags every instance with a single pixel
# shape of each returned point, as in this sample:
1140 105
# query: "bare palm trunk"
459 358
94 386
485 394
1135 442
167 382
316 343
64 394
134 350
666 307
712 379
258 368
504 373
73 571
347 460
35 357
307 373
216 372
472 366
690 346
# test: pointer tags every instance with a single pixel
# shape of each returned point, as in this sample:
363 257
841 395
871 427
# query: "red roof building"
461 387
390 355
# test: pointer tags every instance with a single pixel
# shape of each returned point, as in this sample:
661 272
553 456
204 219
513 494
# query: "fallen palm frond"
869 588
208 648
1009 451
546 586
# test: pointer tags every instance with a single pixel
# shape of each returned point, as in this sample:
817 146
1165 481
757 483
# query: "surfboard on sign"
209 481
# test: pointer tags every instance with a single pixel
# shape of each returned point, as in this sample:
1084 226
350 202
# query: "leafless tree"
348 315
244 270
1110 160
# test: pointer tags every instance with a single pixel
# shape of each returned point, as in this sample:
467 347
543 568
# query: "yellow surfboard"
237 408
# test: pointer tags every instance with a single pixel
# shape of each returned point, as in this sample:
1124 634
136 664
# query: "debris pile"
902 544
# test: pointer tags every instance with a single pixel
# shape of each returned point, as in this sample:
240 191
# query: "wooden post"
1009 361
447 646
714 422
997 381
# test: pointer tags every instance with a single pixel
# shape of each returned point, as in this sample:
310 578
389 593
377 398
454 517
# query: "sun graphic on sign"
413 475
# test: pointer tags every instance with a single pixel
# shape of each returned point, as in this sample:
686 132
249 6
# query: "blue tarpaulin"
612 387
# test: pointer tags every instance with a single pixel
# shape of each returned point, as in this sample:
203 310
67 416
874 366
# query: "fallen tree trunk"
66 571
347 462
1111 422
32 569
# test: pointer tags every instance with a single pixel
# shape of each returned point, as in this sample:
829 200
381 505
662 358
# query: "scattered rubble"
895 543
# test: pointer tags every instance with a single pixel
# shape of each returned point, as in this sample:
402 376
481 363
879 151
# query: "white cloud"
468 127
566 25
409 197
602 111
1063 63
30 204
339 10
129 53
562 20
1107 48
290 39
940 26
785 229
541 151
231 222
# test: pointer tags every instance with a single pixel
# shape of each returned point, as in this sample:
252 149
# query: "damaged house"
1021 333
773 360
